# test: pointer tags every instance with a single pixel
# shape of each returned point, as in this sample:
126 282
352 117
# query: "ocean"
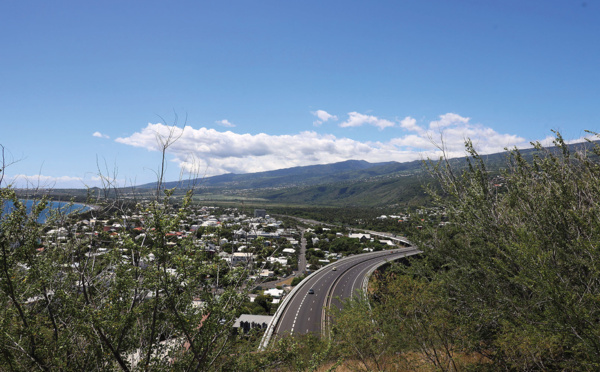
64 207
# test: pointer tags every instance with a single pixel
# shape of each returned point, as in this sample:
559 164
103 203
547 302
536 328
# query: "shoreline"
93 207
61 206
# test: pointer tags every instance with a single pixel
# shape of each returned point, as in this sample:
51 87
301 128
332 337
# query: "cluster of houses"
223 232
233 236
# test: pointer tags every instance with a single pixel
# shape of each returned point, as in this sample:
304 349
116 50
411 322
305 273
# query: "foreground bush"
515 276
86 301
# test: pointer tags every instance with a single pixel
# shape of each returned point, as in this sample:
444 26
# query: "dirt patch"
288 281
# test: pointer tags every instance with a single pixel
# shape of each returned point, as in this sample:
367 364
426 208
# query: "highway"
303 312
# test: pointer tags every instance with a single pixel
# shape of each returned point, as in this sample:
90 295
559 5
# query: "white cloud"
451 131
447 120
323 116
210 152
356 119
41 181
62 182
410 124
100 135
225 123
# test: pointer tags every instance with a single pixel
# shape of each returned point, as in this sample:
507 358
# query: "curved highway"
303 311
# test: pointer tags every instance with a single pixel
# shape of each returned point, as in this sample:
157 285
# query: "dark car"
311 291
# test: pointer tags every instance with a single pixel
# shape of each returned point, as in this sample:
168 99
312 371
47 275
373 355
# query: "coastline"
75 208
93 207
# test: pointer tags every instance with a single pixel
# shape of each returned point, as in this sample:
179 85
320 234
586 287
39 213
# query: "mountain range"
351 182
348 183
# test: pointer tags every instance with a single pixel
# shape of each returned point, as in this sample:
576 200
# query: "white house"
274 292
281 260
360 236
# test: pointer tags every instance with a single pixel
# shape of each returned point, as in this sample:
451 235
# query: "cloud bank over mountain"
211 152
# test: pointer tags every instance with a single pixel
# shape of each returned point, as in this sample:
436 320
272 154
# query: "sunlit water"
64 207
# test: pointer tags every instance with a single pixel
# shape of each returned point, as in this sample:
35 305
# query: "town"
274 252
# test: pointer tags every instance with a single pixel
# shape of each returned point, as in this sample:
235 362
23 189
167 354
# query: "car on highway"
311 291
334 269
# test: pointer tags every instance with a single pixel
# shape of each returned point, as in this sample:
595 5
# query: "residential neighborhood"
269 249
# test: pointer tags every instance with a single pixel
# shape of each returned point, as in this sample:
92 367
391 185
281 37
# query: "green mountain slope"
380 191
350 170
349 183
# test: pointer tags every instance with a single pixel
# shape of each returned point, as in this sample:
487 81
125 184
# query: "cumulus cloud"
447 120
322 117
450 132
100 135
356 119
225 123
410 124
210 152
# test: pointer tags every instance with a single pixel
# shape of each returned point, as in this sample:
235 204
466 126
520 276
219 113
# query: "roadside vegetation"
512 282
515 276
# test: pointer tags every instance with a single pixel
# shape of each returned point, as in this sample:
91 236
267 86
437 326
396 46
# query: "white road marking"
297 312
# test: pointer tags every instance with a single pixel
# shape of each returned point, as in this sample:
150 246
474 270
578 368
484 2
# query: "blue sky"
260 85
